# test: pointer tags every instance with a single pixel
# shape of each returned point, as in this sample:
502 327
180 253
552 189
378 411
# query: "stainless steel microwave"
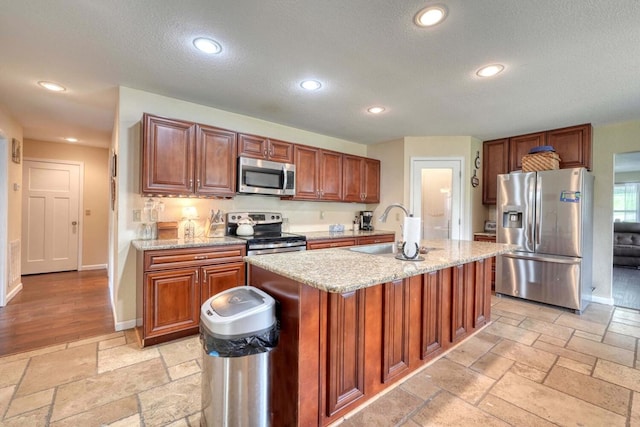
257 176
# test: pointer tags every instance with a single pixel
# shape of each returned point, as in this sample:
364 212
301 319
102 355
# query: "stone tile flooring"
533 366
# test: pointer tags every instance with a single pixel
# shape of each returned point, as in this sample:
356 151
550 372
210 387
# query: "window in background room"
626 202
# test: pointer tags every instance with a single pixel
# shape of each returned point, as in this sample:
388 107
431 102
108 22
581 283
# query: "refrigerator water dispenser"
512 219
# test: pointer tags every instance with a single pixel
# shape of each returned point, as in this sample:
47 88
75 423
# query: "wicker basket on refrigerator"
543 161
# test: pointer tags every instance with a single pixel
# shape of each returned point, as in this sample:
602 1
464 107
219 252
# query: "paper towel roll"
411 235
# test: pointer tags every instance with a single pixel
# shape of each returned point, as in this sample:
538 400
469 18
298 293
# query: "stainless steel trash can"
238 329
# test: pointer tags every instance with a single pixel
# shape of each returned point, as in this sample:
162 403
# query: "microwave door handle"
284 181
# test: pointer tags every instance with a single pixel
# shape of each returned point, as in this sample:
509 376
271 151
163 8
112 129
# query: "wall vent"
14 257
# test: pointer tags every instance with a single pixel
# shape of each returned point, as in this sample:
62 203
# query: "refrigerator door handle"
538 209
531 212
537 257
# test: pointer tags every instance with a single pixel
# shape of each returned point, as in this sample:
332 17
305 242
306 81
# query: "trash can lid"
242 310
228 304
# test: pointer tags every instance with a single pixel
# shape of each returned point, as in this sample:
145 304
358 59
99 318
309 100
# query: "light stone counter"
149 245
342 270
319 235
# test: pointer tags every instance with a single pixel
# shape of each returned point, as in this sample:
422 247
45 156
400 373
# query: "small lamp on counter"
189 213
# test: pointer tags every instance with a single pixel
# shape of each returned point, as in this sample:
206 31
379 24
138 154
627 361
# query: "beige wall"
607 141
95 196
391 156
10 199
132 104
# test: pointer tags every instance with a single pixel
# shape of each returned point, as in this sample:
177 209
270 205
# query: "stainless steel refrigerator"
548 215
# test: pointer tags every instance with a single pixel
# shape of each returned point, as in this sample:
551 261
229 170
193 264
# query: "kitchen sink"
378 249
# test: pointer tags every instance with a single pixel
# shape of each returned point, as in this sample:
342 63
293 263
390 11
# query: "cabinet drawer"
333 243
173 258
370 240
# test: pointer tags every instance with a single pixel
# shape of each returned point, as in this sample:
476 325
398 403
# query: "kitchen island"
354 323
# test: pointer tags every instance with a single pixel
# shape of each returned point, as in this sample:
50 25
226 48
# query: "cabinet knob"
199 257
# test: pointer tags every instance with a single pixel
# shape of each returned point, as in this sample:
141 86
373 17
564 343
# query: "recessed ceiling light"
430 16
490 70
207 45
311 84
71 139
375 110
54 87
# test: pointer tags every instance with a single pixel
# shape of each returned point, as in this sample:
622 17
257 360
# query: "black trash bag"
260 342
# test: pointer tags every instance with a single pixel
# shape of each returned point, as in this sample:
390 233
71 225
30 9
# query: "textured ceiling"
567 62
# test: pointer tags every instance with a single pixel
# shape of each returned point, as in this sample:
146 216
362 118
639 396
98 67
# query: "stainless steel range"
267 237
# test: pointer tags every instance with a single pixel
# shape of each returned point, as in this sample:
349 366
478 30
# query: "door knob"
74 223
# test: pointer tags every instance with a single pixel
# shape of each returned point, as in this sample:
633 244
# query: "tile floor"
533 366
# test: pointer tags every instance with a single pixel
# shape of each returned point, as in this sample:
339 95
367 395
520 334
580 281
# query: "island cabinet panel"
434 292
395 332
343 329
461 302
338 351
168 148
215 161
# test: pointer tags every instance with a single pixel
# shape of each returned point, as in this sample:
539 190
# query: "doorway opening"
436 196
626 229
4 217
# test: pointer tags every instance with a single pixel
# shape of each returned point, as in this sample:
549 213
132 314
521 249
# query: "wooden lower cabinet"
173 284
492 239
337 351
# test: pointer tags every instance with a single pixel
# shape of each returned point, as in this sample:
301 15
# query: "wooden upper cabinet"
495 156
360 179
573 145
330 175
215 161
187 159
318 174
168 148
259 147
520 146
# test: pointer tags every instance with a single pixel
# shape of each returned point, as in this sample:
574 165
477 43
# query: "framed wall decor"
15 151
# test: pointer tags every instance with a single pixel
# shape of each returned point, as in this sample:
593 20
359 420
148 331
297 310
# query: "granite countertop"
341 270
319 235
198 242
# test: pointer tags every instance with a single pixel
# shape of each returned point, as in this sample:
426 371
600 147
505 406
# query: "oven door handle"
276 250
284 181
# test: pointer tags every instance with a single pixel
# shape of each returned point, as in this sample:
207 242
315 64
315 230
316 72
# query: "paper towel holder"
407 257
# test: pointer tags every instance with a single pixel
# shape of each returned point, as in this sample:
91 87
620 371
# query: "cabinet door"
345 350
495 161
215 161
395 329
481 298
307 172
280 151
461 304
520 146
218 278
573 145
352 178
172 301
330 175
433 339
371 184
167 156
253 146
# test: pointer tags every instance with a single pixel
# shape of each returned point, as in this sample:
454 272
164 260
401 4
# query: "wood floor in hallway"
56 308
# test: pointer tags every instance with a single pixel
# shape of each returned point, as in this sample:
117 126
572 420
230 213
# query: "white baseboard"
14 292
121 326
93 267
602 300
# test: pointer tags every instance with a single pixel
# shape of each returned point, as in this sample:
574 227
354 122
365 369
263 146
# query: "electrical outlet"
321 214
137 215
397 216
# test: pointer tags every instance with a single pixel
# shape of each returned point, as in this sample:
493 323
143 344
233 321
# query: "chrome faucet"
383 217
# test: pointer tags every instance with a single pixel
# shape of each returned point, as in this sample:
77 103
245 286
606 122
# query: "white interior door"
50 216
436 197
